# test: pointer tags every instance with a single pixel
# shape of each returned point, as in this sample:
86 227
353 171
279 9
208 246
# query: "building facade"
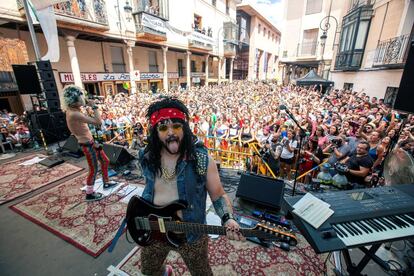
310 35
259 44
117 46
374 44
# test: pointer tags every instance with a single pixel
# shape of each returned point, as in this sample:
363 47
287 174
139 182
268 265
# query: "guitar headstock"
274 231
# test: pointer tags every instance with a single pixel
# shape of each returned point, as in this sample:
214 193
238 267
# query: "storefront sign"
153 22
198 74
94 77
97 77
196 80
199 37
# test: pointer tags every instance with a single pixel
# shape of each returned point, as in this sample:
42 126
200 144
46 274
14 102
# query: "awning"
312 78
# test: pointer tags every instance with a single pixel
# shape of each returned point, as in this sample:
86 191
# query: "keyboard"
361 217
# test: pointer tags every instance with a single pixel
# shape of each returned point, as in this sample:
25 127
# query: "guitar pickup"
161 225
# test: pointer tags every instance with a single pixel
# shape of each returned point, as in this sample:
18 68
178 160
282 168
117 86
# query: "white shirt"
286 154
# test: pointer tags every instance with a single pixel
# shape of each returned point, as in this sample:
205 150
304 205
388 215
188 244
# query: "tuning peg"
263 221
274 225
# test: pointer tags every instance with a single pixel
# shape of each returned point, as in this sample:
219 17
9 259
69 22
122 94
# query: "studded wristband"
226 217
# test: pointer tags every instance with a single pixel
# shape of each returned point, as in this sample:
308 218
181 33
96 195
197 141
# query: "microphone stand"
302 135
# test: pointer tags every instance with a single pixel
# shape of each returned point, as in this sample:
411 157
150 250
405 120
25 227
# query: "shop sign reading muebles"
97 77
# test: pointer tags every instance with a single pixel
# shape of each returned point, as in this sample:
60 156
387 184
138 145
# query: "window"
203 66
153 65
193 66
118 64
355 27
390 95
264 31
309 42
197 26
348 86
313 6
214 2
243 32
258 29
268 34
180 68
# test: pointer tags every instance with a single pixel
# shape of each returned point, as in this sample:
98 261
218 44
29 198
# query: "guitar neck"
198 228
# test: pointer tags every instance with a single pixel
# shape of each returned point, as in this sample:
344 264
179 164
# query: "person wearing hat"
178 167
74 99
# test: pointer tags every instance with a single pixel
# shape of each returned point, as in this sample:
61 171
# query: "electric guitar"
147 222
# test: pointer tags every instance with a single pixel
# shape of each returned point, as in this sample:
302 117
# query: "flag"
44 13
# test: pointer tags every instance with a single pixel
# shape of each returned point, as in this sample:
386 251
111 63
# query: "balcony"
200 42
392 52
157 8
355 4
85 13
229 50
149 26
306 49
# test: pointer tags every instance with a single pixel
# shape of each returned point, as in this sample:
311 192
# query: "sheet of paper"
213 219
129 191
208 202
32 161
313 210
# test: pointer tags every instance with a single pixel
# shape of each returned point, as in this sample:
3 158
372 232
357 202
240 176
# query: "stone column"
164 57
188 69
231 69
223 68
130 44
74 64
207 58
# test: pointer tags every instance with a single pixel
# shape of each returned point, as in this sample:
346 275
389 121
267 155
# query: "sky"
271 9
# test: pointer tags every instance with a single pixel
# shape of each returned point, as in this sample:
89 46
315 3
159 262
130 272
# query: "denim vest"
191 188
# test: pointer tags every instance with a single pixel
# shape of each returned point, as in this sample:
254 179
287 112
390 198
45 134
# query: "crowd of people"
343 126
14 130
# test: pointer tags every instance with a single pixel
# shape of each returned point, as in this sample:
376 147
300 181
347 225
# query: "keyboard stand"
369 255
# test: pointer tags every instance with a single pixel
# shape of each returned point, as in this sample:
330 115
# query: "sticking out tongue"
172 146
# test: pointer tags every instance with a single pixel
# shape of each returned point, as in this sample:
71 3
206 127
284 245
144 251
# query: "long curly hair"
153 149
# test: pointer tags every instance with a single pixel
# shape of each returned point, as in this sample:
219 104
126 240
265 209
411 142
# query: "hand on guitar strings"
233 230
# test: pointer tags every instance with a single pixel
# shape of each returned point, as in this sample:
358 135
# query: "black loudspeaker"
49 84
405 97
27 79
261 190
53 125
72 145
117 155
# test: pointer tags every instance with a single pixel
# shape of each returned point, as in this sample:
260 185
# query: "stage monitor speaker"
262 190
117 155
72 145
52 95
405 97
49 85
27 79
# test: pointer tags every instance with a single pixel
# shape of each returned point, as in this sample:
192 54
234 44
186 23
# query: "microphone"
282 107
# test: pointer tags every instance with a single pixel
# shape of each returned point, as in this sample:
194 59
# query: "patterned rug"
17 180
62 210
245 258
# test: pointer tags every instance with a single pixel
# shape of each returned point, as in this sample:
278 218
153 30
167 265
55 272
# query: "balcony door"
309 42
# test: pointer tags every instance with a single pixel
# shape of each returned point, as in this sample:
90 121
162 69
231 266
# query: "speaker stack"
47 78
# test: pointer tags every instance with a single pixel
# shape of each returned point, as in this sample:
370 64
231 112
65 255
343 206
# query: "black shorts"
286 161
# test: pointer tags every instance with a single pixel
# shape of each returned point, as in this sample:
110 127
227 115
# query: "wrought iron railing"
229 49
392 52
89 10
307 49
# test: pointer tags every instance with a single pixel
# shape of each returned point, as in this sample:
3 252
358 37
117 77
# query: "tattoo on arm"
222 206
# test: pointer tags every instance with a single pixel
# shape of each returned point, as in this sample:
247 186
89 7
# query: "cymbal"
399 168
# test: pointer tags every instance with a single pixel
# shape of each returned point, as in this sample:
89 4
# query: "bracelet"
226 217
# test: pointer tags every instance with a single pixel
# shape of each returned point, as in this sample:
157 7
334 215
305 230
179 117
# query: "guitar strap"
117 235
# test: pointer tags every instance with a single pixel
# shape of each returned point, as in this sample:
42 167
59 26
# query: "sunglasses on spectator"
162 128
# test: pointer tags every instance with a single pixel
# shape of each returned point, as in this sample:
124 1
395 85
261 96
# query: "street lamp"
128 11
325 25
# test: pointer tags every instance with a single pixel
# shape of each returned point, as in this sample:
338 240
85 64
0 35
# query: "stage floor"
28 249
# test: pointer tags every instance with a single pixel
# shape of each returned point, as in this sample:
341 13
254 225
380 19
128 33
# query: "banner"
153 22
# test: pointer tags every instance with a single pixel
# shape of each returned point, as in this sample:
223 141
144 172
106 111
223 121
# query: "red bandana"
165 114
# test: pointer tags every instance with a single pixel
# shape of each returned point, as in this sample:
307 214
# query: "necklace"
167 174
